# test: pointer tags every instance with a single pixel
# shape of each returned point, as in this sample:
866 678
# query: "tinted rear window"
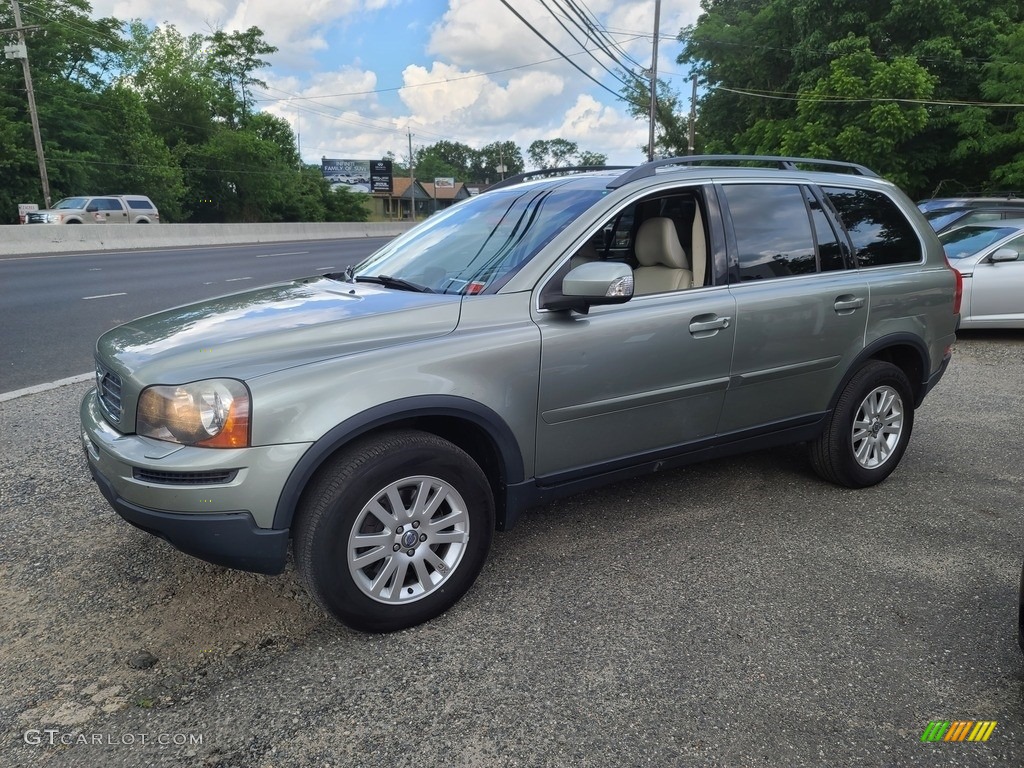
136 203
880 232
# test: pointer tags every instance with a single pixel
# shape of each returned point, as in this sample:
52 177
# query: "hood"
247 334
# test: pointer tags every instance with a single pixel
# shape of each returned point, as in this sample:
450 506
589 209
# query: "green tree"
671 127
504 154
140 160
171 72
234 59
560 153
767 64
853 112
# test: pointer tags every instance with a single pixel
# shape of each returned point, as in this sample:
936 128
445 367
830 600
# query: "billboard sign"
381 176
444 182
354 174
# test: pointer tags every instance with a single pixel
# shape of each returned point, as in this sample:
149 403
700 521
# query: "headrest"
657 243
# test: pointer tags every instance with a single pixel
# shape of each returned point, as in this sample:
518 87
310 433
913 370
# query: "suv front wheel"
394 530
868 430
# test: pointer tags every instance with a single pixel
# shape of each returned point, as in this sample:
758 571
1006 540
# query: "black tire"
880 397
440 548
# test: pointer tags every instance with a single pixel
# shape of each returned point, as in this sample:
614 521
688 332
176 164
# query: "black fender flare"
872 352
388 413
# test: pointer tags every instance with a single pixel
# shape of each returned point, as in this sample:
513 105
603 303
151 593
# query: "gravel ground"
737 613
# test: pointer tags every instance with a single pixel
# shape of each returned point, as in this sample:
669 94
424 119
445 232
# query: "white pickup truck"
102 209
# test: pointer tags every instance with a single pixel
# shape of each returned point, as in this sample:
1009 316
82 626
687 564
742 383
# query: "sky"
355 77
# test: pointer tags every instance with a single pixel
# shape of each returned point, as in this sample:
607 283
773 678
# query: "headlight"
212 414
54 218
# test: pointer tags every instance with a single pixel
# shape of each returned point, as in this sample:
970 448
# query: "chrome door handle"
699 326
847 304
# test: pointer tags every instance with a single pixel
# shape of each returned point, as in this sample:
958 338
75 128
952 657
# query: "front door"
630 379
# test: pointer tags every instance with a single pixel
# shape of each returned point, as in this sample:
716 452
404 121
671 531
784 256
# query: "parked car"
989 257
972 201
560 331
943 219
98 209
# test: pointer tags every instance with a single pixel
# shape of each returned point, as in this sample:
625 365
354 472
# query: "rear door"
801 312
109 211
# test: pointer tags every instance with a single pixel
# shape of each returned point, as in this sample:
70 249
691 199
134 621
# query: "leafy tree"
234 60
345 205
139 158
767 65
506 154
172 73
671 127
560 153
852 112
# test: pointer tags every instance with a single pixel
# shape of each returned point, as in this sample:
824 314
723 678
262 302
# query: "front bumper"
163 489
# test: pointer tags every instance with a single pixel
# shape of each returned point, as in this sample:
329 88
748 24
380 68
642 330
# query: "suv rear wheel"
869 429
394 531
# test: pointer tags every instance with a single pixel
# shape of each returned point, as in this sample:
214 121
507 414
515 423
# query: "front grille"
108 388
35 218
217 477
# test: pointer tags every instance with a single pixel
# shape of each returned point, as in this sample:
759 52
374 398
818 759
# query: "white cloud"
469 71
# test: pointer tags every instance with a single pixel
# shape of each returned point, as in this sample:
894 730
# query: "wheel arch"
906 351
473 427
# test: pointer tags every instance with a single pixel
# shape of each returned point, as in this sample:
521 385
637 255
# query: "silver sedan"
990 256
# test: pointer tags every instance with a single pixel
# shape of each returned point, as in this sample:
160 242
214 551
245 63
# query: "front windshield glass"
476 245
941 217
71 202
967 241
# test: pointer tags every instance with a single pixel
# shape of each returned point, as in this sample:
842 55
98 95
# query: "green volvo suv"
560 331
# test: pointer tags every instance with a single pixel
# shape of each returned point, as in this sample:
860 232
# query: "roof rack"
783 163
548 172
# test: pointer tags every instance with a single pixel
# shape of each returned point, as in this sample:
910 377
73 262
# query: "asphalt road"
54 307
735 613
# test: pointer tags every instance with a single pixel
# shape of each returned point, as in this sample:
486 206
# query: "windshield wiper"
394 282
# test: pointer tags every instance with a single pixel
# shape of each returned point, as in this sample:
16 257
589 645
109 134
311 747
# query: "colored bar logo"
958 730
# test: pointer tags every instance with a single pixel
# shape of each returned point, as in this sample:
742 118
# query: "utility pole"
654 78
20 51
412 180
692 135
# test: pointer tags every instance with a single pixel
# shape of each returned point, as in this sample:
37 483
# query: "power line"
789 96
563 55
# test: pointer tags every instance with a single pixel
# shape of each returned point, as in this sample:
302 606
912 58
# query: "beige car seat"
663 262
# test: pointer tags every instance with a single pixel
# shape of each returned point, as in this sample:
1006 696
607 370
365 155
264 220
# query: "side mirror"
92 208
591 284
1004 254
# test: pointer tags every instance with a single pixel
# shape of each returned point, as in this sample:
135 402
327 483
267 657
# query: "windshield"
967 241
942 216
71 202
477 245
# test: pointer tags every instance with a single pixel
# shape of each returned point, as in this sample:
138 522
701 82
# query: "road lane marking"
34 390
322 269
104 296
290 253
236 279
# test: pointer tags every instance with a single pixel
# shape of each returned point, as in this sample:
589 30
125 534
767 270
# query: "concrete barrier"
24 239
